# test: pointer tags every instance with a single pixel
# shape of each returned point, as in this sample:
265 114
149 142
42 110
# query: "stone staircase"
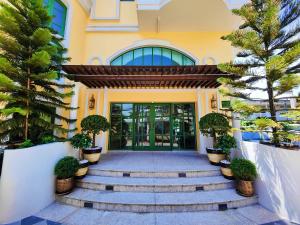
157 188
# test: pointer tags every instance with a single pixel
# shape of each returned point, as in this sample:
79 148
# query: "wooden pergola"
94 76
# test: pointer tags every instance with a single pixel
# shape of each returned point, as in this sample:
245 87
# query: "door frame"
155 148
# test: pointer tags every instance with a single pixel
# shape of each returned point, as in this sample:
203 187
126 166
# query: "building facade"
148 66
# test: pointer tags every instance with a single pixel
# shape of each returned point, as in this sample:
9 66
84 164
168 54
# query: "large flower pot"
245 188
92 154
226 170
83 169
215 156
64 186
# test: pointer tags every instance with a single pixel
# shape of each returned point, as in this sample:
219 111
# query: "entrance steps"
118 184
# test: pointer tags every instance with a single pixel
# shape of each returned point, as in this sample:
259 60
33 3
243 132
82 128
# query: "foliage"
226 143
81 141
244 108
214 124
93 125
31 55
26 144
243 169
66 167
270 49
47 139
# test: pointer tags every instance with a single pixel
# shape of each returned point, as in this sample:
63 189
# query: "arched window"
58 11
152 56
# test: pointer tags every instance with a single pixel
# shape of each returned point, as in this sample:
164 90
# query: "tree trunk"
94 140
27 108
272 111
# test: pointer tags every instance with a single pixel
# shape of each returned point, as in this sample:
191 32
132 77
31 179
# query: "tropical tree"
269 51
31 55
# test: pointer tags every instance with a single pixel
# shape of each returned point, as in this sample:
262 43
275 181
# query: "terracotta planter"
215 156
92 154
226 170
245 188
64 186
83 169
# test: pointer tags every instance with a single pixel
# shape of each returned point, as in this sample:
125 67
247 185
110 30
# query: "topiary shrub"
80 141
66 167
226 143
213 125
47 139
243 169
94 125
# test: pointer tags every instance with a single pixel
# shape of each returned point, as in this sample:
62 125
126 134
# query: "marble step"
144 202
205 172
130 184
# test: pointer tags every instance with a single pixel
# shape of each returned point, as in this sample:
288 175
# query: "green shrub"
243 169
93 125
26 144
226 143
81 141
214 124
47 139
66 167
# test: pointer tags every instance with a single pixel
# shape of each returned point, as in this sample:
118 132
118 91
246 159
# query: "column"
73 113
201 147
86 106
103 139
236 124
59 111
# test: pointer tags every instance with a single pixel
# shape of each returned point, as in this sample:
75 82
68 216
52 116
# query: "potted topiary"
93 125
80 141
214 125
64 171
245 173
226 143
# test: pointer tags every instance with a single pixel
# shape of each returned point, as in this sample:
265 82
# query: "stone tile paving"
153 161
58 214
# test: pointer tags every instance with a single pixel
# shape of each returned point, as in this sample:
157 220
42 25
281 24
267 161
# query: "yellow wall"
87 45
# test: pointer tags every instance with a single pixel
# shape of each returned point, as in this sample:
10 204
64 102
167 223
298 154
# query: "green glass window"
58 11
153 56
226 104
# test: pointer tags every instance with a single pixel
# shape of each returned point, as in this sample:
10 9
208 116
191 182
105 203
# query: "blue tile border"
279 222
31 220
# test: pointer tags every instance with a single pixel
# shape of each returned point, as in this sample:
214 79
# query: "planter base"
215 156
229 177
82 171
92 155
245 188
64 186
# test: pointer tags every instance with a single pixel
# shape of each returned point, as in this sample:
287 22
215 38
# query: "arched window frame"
57 14
155 56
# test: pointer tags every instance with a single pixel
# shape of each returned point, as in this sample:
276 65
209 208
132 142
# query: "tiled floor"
57 214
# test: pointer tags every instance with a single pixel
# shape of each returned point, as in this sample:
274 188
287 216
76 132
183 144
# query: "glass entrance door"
163 126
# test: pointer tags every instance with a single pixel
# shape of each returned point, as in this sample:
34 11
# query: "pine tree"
269 45
31 55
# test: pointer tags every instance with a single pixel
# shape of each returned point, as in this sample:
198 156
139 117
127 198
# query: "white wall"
27 183
278 185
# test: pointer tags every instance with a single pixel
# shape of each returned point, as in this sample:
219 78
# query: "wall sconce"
92 102
213 102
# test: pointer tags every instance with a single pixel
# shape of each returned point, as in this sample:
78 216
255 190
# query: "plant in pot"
64 171
93 125
245 173
214 125
226 143
80 141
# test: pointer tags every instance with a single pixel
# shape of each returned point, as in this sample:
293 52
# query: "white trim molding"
149 43
69 17
86 4
122 28
151 4
93 12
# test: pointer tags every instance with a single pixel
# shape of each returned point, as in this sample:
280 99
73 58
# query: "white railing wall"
27 183
278 185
